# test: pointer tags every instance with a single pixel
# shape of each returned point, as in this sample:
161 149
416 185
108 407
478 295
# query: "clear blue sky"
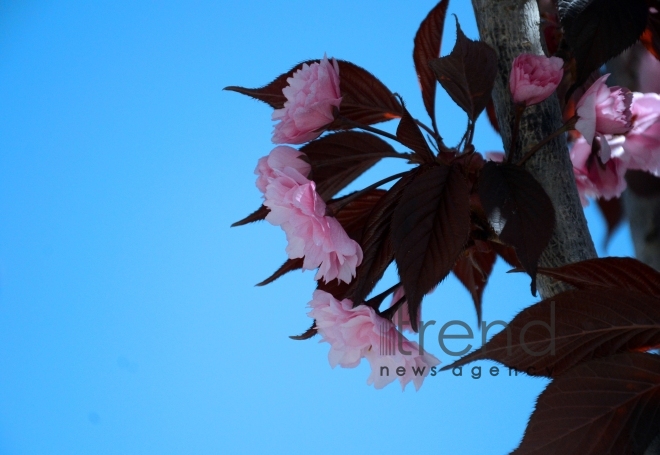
129 320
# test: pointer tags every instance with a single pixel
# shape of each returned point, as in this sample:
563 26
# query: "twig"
569 125
350 198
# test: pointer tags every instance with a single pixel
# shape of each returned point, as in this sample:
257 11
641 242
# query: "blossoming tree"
568 137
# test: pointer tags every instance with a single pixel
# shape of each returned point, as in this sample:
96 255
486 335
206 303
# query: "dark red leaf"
623 273
338 159
612 211
309 333
365 99
492 116
257 215
599 30
467 73
288 266
354 215
519 210
606 406
427 46
376 242
572 327
473 269
430 228
270 94
507 253
337 288
410 135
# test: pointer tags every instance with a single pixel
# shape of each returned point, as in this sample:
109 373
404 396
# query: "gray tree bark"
511 27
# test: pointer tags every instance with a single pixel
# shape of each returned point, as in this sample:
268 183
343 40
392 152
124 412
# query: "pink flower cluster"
533 78
604 110
627 128
596 179
311 98
298 209
356 333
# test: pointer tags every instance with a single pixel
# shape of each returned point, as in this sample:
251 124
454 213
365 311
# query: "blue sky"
129 320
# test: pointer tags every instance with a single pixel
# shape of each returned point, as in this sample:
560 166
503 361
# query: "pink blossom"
311 97
298 209
498 157
604 110
356 333
533 78
280 158
642 145
595 179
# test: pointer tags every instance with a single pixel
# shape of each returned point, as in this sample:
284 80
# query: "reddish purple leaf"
430 228
270 94
473 269
309 333
257 215
507 253
338 159
606 406
492 115
376 242
338 289
288 266
623 273
599 30
572 327
354 215
427 46
519 210
411 136
365 99
467 73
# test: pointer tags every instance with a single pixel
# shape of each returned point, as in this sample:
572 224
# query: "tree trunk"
511 27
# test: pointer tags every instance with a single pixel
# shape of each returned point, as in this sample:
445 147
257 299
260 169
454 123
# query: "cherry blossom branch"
433 133
465 136
371 129
470 135
569 125
320 163
339 205
511 28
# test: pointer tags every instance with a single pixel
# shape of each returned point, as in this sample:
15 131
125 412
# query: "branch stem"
350 198
569 125
371 129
